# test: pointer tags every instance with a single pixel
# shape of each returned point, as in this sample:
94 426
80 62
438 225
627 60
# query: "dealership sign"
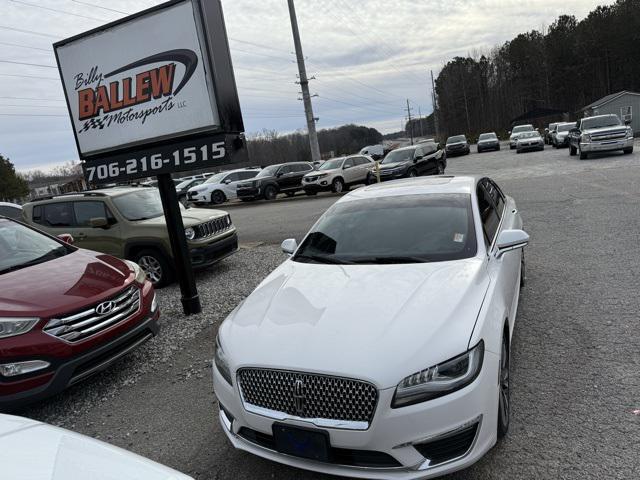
140 86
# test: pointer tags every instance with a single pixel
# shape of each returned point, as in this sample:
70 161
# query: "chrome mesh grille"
84 324
213 227
614 135
308 396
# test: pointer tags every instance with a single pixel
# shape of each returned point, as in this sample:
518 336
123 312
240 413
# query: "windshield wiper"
322 259
56 253
391 259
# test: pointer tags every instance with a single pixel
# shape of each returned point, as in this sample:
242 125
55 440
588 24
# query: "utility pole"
304 85
436 124
420 116
410 122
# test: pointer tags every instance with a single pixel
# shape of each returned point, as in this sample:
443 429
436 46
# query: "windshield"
565 127
529 135
140 205
522 128
332 164
487 136
456 139
398 156
217 178
21 247
600 122
268 171
397 229
188 183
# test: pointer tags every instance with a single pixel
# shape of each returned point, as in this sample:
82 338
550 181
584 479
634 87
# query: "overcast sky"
368 57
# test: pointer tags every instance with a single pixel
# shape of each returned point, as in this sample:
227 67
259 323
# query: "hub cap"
151 267
337 185
413 173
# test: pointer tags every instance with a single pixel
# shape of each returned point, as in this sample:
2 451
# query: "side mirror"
279 174
67 238
509 240
289 246
99 222
627 121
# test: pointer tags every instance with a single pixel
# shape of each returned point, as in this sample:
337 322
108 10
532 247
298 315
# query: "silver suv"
603 133
338 173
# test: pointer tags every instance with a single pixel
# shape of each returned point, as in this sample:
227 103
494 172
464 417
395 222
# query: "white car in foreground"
381 347
220 187
36 451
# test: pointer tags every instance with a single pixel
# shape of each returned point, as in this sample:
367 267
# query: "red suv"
65 313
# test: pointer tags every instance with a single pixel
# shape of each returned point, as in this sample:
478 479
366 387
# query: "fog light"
323 183
154 304
21 368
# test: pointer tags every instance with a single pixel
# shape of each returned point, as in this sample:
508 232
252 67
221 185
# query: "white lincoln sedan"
380 348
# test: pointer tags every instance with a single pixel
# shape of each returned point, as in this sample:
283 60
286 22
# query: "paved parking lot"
576 360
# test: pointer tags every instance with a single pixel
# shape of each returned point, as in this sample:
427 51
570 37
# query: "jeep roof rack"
70 194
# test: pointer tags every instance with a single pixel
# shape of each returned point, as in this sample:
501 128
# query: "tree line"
564 67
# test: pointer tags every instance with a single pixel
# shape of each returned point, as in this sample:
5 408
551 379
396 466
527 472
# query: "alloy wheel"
217 197
440 169
151 267
504 402
412 174
338 185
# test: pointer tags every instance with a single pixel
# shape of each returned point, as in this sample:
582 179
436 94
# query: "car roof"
412 186
9 204
410 147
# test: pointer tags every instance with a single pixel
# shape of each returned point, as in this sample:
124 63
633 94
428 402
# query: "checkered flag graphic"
93 123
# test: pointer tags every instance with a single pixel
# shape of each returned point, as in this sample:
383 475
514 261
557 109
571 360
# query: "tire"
518 151
412 173
498 149
270 192
572 151
337 186
583 155
155 265
504 388
511 147
628 151
441 168
523 271
217 197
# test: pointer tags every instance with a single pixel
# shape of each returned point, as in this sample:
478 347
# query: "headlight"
629 133
141 277
585 138
190 233
220 360
12 326
444 378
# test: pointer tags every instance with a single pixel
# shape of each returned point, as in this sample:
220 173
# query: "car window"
429 148
348 163
397 229
496 196
248 174
303 167
232 177
285 169
54 214
11 212
488 215
362 161
85 211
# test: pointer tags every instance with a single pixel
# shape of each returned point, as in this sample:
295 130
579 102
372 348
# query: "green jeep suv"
129 223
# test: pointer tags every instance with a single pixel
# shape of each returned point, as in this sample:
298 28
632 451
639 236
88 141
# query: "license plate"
302 442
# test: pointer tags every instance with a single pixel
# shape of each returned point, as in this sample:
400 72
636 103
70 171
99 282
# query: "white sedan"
36 451
381 347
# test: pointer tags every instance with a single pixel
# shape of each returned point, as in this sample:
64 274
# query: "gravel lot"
575 381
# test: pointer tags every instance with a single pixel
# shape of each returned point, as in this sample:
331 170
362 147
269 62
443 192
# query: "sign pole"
184 269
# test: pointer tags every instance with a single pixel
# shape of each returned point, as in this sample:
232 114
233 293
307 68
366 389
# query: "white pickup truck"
602 133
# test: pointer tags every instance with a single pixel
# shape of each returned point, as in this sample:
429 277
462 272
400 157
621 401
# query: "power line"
29 31
33 98
32 106
100 6
28 76
27 63
30 115
48 50
57 10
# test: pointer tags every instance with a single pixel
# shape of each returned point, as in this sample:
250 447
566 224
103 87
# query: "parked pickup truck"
602 133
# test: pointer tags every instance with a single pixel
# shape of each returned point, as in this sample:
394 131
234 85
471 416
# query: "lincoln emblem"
298 397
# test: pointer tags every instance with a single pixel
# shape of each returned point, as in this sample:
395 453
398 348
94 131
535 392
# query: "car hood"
530 139
489 140
391 166
378 323
62 285
62 455
190 217
591 131
317 173
457 144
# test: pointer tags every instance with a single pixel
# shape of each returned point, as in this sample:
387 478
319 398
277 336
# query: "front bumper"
206 255
393 432
606 145
458 151
488 146
390 174
530 147
199 197
73 370
320 185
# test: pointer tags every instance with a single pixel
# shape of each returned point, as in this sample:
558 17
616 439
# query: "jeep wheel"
572 150
155 266
337 186
218 197
270 192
